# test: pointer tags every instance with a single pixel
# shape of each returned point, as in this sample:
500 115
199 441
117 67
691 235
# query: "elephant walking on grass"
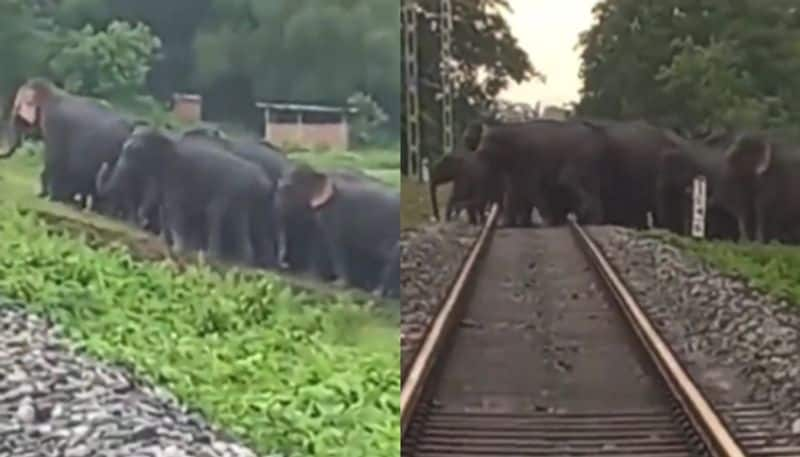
203 192
79 135
357 219
555 166
761 180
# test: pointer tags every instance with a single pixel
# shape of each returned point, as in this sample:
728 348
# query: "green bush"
109 64
287 371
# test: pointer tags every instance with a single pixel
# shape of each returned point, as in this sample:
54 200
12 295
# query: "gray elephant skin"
472 190
79 135
761 183
555 166
203 192
357 219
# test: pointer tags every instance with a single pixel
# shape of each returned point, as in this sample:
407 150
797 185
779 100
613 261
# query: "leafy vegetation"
694 64
111 63
232 52
773 269
255 356
288 371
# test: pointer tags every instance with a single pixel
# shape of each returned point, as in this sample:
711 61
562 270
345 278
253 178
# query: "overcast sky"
548 30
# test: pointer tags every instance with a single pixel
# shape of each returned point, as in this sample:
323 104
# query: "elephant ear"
750 156
25 105
323 191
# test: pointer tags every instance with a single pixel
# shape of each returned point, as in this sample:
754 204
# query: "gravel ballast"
431 258
739 345
56 401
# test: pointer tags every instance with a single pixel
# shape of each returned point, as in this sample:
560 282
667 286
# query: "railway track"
540 350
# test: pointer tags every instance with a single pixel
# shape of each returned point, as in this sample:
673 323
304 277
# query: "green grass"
288 371
415 206
772 269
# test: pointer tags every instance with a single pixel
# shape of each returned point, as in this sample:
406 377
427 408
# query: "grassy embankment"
416 202
286 370
772 269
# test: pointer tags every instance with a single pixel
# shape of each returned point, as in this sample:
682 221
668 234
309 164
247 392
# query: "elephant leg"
216 223
176 224
741 221
760 221
244 237
390 276
449 211
44 183
337 253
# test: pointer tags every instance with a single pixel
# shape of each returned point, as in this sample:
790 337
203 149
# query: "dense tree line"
233 52
694 64
486 58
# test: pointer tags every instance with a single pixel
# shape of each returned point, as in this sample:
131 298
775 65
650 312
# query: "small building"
306 126
188 107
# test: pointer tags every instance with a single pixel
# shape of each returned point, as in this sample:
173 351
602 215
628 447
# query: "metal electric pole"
445 62
411 68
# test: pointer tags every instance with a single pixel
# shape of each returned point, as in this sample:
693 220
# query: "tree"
486 58
23 41
693 63
110 64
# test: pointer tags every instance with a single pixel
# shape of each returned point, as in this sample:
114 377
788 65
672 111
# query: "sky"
548 31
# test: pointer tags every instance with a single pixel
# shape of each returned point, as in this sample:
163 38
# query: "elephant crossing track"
540 350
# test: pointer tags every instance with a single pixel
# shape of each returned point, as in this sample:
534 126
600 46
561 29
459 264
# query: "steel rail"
707 423
441 326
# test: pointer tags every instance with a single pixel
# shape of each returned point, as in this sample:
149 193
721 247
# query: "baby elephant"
358 219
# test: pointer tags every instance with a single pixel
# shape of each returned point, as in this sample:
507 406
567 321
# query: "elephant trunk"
106 180
15 139
279 210
432 186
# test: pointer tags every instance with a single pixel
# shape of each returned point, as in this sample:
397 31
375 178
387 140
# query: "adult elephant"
634 150
556 166
79 135
678 168
471 191
202 191
269 158
761 181
358 221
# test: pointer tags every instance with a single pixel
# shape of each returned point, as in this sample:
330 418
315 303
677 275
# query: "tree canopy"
233 52
694 63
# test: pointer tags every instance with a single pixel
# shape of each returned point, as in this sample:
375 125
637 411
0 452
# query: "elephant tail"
473 135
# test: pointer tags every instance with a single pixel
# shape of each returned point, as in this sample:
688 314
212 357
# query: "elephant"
555 166
634 151
357 219
202 191
79 135
760 182
271 159
678 168
471 186
137 200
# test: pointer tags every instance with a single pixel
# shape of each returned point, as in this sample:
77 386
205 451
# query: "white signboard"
699 207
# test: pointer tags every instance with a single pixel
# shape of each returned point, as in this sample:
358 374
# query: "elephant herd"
626 173
239 200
